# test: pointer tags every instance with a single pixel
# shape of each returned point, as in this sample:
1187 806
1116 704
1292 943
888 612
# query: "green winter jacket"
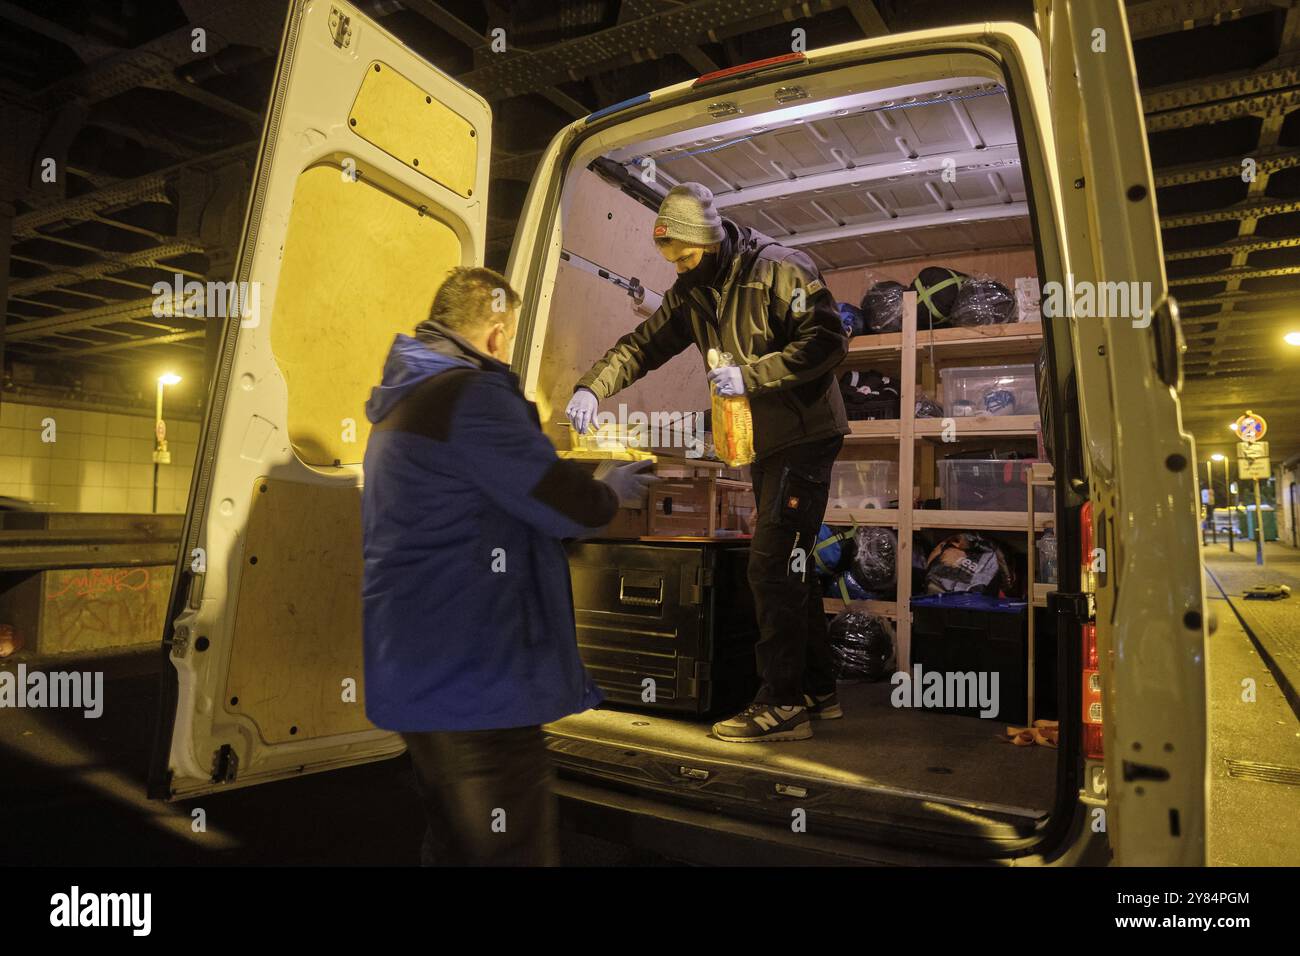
787 355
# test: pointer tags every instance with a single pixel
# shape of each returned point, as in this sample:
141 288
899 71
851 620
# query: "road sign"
1252 450
1251 427
1257 468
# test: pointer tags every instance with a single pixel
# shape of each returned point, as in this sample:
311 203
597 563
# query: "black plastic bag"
862 646
875 556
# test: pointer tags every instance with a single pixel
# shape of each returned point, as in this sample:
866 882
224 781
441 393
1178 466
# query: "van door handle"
1169 342
647 593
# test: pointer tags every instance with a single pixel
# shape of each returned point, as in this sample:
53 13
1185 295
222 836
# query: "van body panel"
372 176
1151 653
1150 606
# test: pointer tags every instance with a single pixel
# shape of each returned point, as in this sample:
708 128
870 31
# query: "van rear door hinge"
1078 607
225 764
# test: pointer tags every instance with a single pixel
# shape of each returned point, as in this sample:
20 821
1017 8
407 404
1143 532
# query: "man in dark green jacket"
739 291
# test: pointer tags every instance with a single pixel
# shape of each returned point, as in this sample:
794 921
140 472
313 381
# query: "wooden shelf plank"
980 520
981 426
887 609
975 341
875 517
879 430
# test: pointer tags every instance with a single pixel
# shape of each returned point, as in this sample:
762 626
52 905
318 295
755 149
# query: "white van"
373 180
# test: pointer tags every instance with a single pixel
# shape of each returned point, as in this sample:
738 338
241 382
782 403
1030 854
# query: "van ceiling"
157 140
867 181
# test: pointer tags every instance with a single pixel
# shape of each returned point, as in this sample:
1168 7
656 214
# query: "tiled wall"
99 461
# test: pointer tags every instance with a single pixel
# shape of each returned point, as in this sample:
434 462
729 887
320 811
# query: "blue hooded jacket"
466 599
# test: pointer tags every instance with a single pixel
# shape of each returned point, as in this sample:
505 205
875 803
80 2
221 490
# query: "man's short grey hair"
471 297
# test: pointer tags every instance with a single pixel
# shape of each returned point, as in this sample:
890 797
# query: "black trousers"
487 796
790 490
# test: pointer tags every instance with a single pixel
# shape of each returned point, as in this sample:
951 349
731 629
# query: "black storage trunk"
860 408
676 611
952 639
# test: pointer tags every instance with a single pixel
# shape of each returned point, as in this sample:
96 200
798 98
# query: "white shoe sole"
831 713
802 732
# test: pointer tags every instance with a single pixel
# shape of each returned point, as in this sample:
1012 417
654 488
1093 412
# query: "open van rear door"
1150 609
371 183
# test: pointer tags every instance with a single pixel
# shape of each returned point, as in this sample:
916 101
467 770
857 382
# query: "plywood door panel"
298 621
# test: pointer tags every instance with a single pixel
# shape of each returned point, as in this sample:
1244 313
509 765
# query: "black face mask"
702 274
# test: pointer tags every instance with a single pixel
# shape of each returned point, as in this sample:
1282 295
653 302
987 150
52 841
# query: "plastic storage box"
989 390
990 484
864 484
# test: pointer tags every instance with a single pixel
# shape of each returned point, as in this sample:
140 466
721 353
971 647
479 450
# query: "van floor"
875 745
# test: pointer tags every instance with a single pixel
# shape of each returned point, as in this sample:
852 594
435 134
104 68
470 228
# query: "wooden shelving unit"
917 438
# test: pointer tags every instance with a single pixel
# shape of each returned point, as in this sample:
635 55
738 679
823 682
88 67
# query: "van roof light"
757 66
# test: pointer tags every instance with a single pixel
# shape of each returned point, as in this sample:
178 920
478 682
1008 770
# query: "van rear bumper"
707 838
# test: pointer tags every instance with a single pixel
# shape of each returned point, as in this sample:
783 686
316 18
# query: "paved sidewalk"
1273 625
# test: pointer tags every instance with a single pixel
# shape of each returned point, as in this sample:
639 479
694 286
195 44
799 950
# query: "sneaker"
759 722
823 706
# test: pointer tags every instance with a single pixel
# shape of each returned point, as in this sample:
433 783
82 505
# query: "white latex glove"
582 409
727 380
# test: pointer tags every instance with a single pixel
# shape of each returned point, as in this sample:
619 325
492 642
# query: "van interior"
874 186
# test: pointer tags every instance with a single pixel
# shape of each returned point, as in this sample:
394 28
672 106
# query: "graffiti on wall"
88 608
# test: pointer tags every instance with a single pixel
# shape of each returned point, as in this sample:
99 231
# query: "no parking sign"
1251 427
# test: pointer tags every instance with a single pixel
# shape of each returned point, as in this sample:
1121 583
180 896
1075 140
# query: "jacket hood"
746 244
412 361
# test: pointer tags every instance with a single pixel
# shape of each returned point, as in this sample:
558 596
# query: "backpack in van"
852 319
882 307
936 294
983 301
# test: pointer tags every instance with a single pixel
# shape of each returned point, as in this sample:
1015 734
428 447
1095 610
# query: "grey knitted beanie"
687 214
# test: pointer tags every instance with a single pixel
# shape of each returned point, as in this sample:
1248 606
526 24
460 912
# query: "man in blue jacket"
469 630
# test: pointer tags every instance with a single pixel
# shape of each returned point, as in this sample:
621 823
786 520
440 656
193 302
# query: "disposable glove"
629 482
582 409
728 380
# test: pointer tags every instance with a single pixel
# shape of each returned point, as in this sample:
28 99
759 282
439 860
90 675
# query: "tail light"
744 69
1086 544
1092 733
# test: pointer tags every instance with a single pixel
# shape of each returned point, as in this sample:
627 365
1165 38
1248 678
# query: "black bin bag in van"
862 646
982 300
936 294
874 557
882 307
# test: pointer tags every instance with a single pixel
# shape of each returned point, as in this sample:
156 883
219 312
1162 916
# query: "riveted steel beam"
1237 272
1232 298
668 30
1265 104
1243 246
1265 162
1156 17
145 258
1247 210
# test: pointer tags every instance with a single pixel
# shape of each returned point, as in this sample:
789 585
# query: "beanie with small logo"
687 214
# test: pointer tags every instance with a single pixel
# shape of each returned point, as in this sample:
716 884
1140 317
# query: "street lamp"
1291 338
161 456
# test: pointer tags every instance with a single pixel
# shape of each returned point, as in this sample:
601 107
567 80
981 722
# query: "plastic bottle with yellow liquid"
733 425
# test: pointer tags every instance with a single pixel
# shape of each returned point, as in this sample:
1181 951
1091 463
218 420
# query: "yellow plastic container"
733 424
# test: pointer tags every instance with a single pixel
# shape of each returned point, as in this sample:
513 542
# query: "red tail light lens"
1092 716
757 66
